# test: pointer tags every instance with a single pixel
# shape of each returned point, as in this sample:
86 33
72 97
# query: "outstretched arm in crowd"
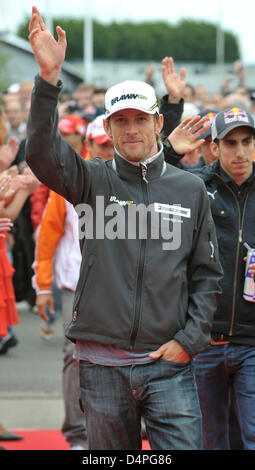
13 208
11 181
48 52
5 224
8 153
174 84
171 104
49 156
185 137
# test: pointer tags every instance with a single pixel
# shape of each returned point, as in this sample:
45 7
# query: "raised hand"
5 225
175 85
29 182
11 182
48 52
185 137
8 153
5 185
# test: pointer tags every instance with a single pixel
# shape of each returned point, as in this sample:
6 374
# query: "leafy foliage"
188 40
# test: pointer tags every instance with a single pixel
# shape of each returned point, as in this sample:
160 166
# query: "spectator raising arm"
48 52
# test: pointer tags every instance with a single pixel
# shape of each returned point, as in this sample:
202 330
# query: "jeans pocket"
87 364
175 364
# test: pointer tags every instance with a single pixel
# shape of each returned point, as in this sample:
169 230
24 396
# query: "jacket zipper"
139 283
240 235
240 239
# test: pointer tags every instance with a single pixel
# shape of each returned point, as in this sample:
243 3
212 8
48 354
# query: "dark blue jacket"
233 211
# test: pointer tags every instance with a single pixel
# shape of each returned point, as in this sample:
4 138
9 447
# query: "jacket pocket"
86 275
221 218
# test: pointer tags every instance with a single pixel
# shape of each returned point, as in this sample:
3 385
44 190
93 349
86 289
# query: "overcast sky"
237 17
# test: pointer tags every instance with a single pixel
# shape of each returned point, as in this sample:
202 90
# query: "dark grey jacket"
131 293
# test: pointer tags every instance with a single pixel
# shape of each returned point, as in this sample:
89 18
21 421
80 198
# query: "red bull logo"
235 114
210 117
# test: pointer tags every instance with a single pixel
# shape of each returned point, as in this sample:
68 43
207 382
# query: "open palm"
48 52
187 136
175 85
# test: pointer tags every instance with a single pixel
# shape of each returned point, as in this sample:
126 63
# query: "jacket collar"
214 170
153 168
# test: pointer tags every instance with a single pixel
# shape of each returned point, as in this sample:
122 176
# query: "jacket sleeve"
171 156
172 113
51 230
203 276
51 158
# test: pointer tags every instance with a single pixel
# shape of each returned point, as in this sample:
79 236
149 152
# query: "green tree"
186 41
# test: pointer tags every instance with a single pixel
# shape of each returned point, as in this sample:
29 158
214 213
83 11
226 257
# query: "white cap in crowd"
96 132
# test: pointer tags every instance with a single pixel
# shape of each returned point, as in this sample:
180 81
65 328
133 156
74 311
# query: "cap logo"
210 117
234 115
129 96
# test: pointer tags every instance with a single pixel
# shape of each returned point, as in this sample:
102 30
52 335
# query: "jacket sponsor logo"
121 203
212 195
122 220
172 209
128 96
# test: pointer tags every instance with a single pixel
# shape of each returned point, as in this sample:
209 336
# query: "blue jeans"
216 369
163 392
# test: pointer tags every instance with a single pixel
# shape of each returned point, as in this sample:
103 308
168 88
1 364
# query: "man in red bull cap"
229 361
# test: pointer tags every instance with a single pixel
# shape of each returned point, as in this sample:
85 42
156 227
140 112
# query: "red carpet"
42 440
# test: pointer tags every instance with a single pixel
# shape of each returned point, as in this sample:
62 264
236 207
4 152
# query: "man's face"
83 97
133 133
98 99
104 151
236 152
14 113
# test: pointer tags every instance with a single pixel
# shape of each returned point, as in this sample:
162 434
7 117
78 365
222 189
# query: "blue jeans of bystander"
214 368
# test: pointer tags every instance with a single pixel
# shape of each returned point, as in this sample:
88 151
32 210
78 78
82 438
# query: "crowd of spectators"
23 199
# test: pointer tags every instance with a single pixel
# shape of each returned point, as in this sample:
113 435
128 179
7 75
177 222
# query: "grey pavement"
31 377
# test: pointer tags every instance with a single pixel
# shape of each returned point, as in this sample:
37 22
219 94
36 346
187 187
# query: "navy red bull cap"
210 115
227 120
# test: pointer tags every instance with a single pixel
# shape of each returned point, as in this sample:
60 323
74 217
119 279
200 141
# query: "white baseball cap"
131 94
96 132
